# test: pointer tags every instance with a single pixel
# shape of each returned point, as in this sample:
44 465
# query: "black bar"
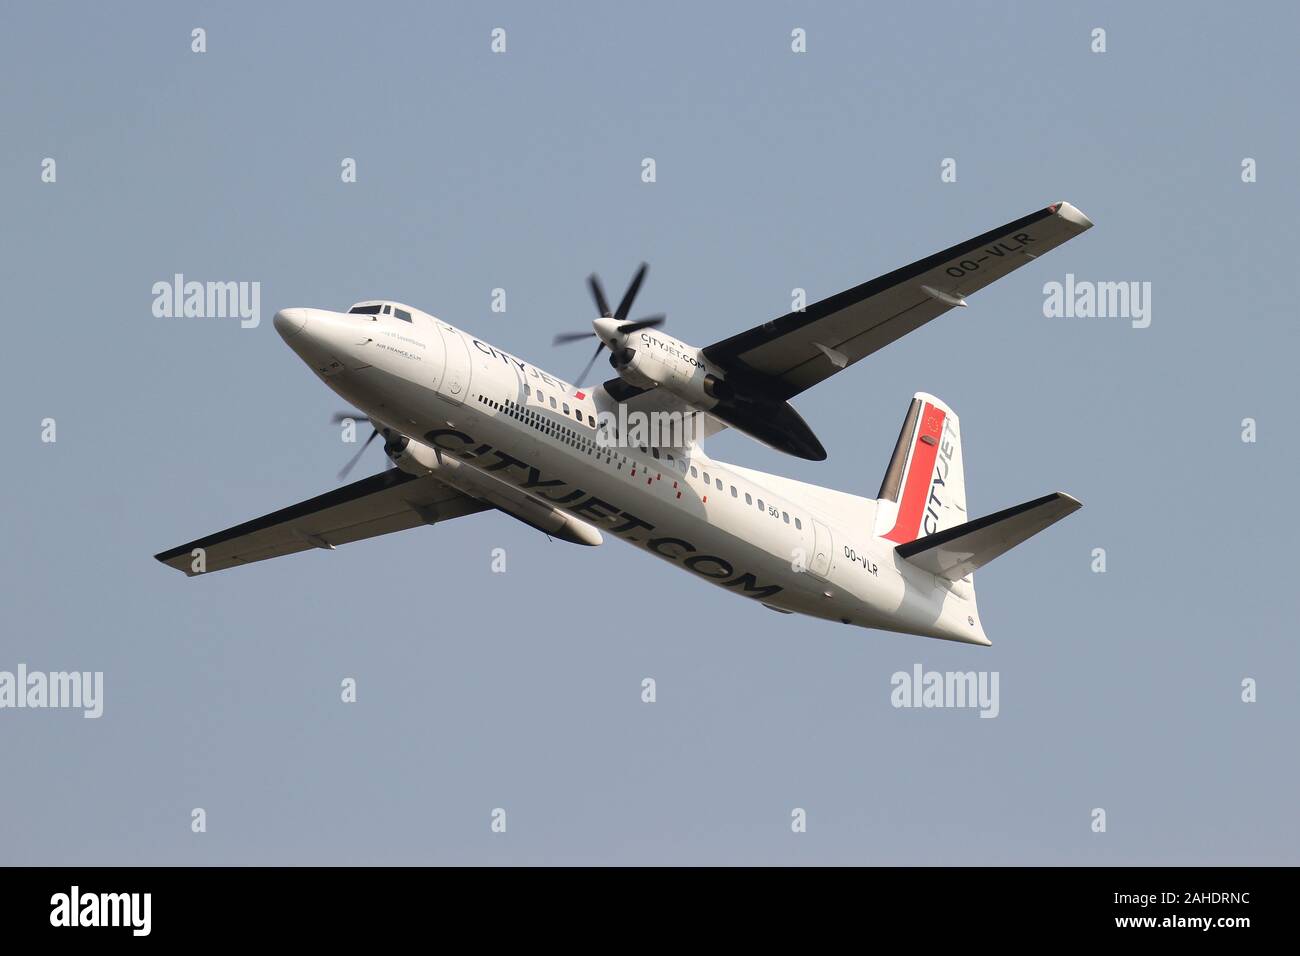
983 907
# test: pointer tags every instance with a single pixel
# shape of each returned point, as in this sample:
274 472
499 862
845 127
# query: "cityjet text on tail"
468 427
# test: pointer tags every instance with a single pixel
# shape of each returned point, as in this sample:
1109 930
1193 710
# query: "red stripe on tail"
911 505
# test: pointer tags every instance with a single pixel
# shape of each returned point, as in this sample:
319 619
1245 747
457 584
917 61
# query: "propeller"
582 376
565 337
338 418
649 322
620 315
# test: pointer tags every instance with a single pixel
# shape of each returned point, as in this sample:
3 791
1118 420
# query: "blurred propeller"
626 305
620 314
582 376
566 337
339 418
649 322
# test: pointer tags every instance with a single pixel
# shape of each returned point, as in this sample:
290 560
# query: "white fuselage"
807 550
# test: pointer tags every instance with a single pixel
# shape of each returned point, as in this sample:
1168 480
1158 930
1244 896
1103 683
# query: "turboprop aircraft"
470 427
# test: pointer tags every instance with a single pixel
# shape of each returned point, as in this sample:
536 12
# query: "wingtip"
166 557
1071 214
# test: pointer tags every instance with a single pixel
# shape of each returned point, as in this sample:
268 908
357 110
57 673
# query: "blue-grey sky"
521 170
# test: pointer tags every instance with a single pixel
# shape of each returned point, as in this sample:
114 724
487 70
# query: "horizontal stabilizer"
955 552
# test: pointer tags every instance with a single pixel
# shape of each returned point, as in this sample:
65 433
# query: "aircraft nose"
289 322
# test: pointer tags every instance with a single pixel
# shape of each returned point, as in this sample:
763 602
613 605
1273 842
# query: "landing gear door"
820 565
455 380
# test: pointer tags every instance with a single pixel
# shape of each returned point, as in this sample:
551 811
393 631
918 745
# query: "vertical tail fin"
924 490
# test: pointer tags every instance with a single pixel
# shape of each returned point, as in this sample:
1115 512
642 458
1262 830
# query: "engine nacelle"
751 402
649 359
413 457
416 458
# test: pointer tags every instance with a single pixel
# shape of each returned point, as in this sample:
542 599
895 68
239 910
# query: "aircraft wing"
790 354
798 350
381 504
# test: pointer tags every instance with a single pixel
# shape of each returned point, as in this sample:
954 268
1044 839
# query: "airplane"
468 427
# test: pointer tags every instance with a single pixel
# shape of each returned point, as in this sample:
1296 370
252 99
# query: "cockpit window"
383 308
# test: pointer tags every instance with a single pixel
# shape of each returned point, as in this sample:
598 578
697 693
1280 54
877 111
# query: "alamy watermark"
126 910
944 689
82 690
208 300
1084 299
637 429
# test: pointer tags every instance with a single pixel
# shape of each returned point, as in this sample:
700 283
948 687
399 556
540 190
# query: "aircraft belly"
641 509
720 542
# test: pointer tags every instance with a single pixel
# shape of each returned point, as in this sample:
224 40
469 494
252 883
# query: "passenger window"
748 499
706 477
566 408
798 524
591 421
733 491
694 473
655 452
785 516
718 482
552 401
760 505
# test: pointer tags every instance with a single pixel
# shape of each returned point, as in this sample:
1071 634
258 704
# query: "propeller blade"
565 337
649 322
598 293
339 417
343 472
602 304
626 305
583 374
